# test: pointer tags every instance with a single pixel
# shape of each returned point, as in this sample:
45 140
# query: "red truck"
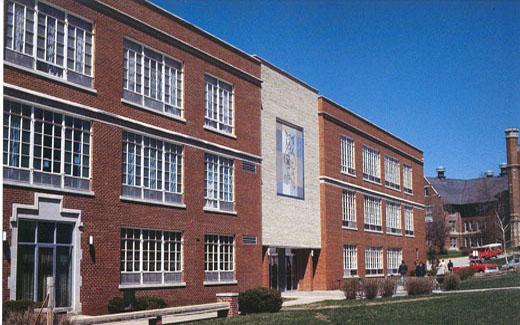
486 251
478 266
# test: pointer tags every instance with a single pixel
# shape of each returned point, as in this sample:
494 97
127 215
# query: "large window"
150 257
349 209
374 260
46 148
45 249
62 46
392 173
152 80
372 209
218 183
371 164
219 105
219 258
394 258
349 260
393 218
408 221
152 169
407 179
347 156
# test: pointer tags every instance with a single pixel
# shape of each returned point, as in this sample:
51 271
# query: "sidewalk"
309 297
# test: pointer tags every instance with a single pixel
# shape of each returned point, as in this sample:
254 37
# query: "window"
218 183
290 176
408 221
54 29
374 260
349 209
452 224
152 80
348 156
150 257
219 258
219 105
371 164
372 213
453 242
393 218
152 169
394 258
407 179
46 148
392 173
45 249
349 260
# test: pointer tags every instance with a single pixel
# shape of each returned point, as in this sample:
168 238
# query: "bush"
370 288
350 288
465 274
22 312
388 287
259 300
419 286
116 305
451 281
17 306
465 251
146 302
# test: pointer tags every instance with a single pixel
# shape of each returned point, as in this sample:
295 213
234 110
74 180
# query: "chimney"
503 169
440 172
488 173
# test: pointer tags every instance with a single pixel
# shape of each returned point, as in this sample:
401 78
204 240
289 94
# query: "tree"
504 229
437 230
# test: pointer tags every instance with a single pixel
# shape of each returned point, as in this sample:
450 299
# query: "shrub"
116 305
147 302
388 287
451 281
465 252
465 273
419 286
259 300
17 306
370 288
350 288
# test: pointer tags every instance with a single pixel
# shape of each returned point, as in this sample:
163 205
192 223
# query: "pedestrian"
423 269
442 268
450 266
418 268
403 269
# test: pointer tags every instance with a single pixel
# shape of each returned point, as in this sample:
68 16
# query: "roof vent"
488 173
441 172
503 169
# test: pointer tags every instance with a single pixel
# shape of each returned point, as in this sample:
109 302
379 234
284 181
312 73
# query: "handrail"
41 309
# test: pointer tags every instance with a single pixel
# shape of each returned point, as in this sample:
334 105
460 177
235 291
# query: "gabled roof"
468 191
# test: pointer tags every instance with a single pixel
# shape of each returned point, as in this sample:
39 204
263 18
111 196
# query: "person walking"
450 266
403 269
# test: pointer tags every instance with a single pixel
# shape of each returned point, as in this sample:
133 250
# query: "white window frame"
350 267
392 173
394 257
217 197
219 259
453 242
393 218
408 221
348 155
373 213
371 164
348 201
219 109
407 179
374 261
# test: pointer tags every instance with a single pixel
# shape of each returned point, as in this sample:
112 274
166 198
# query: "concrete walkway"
309 297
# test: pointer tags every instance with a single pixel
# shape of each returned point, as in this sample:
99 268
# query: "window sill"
410 236
351 277
48 76
371 181
348 174
173 117
229 135
233 213
349 228
152 286
223 283
394 234
374 231
393 189
411 194
374 275
48 188
171 205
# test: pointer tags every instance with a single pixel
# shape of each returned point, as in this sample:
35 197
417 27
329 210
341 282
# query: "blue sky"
444 76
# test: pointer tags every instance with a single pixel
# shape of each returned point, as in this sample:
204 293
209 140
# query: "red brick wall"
330 264
104 214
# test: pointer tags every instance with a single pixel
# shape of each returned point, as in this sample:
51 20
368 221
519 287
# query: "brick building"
513 174
131 156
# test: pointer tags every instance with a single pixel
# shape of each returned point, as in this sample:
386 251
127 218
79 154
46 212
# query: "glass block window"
349 209
372 209
218 105
219 258
374 260
393 218
151 79
349 260
151 169
407 179
408 221
150 257
371 164
45 148
394 257
348 159
218 183
392 173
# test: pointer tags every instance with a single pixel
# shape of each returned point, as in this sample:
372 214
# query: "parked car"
513 263
478 266
486 252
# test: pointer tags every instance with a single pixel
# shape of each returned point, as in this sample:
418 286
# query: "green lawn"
510 279
486 307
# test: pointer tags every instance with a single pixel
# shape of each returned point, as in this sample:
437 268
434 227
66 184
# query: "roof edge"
371 123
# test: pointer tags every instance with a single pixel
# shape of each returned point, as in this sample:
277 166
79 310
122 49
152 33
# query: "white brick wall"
289 222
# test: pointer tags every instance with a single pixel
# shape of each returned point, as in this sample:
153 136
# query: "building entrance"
282 269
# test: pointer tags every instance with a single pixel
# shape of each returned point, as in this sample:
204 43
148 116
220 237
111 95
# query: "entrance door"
273 271
281 269
289 271
44 249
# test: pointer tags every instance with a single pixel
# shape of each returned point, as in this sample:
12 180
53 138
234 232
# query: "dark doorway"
282 269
